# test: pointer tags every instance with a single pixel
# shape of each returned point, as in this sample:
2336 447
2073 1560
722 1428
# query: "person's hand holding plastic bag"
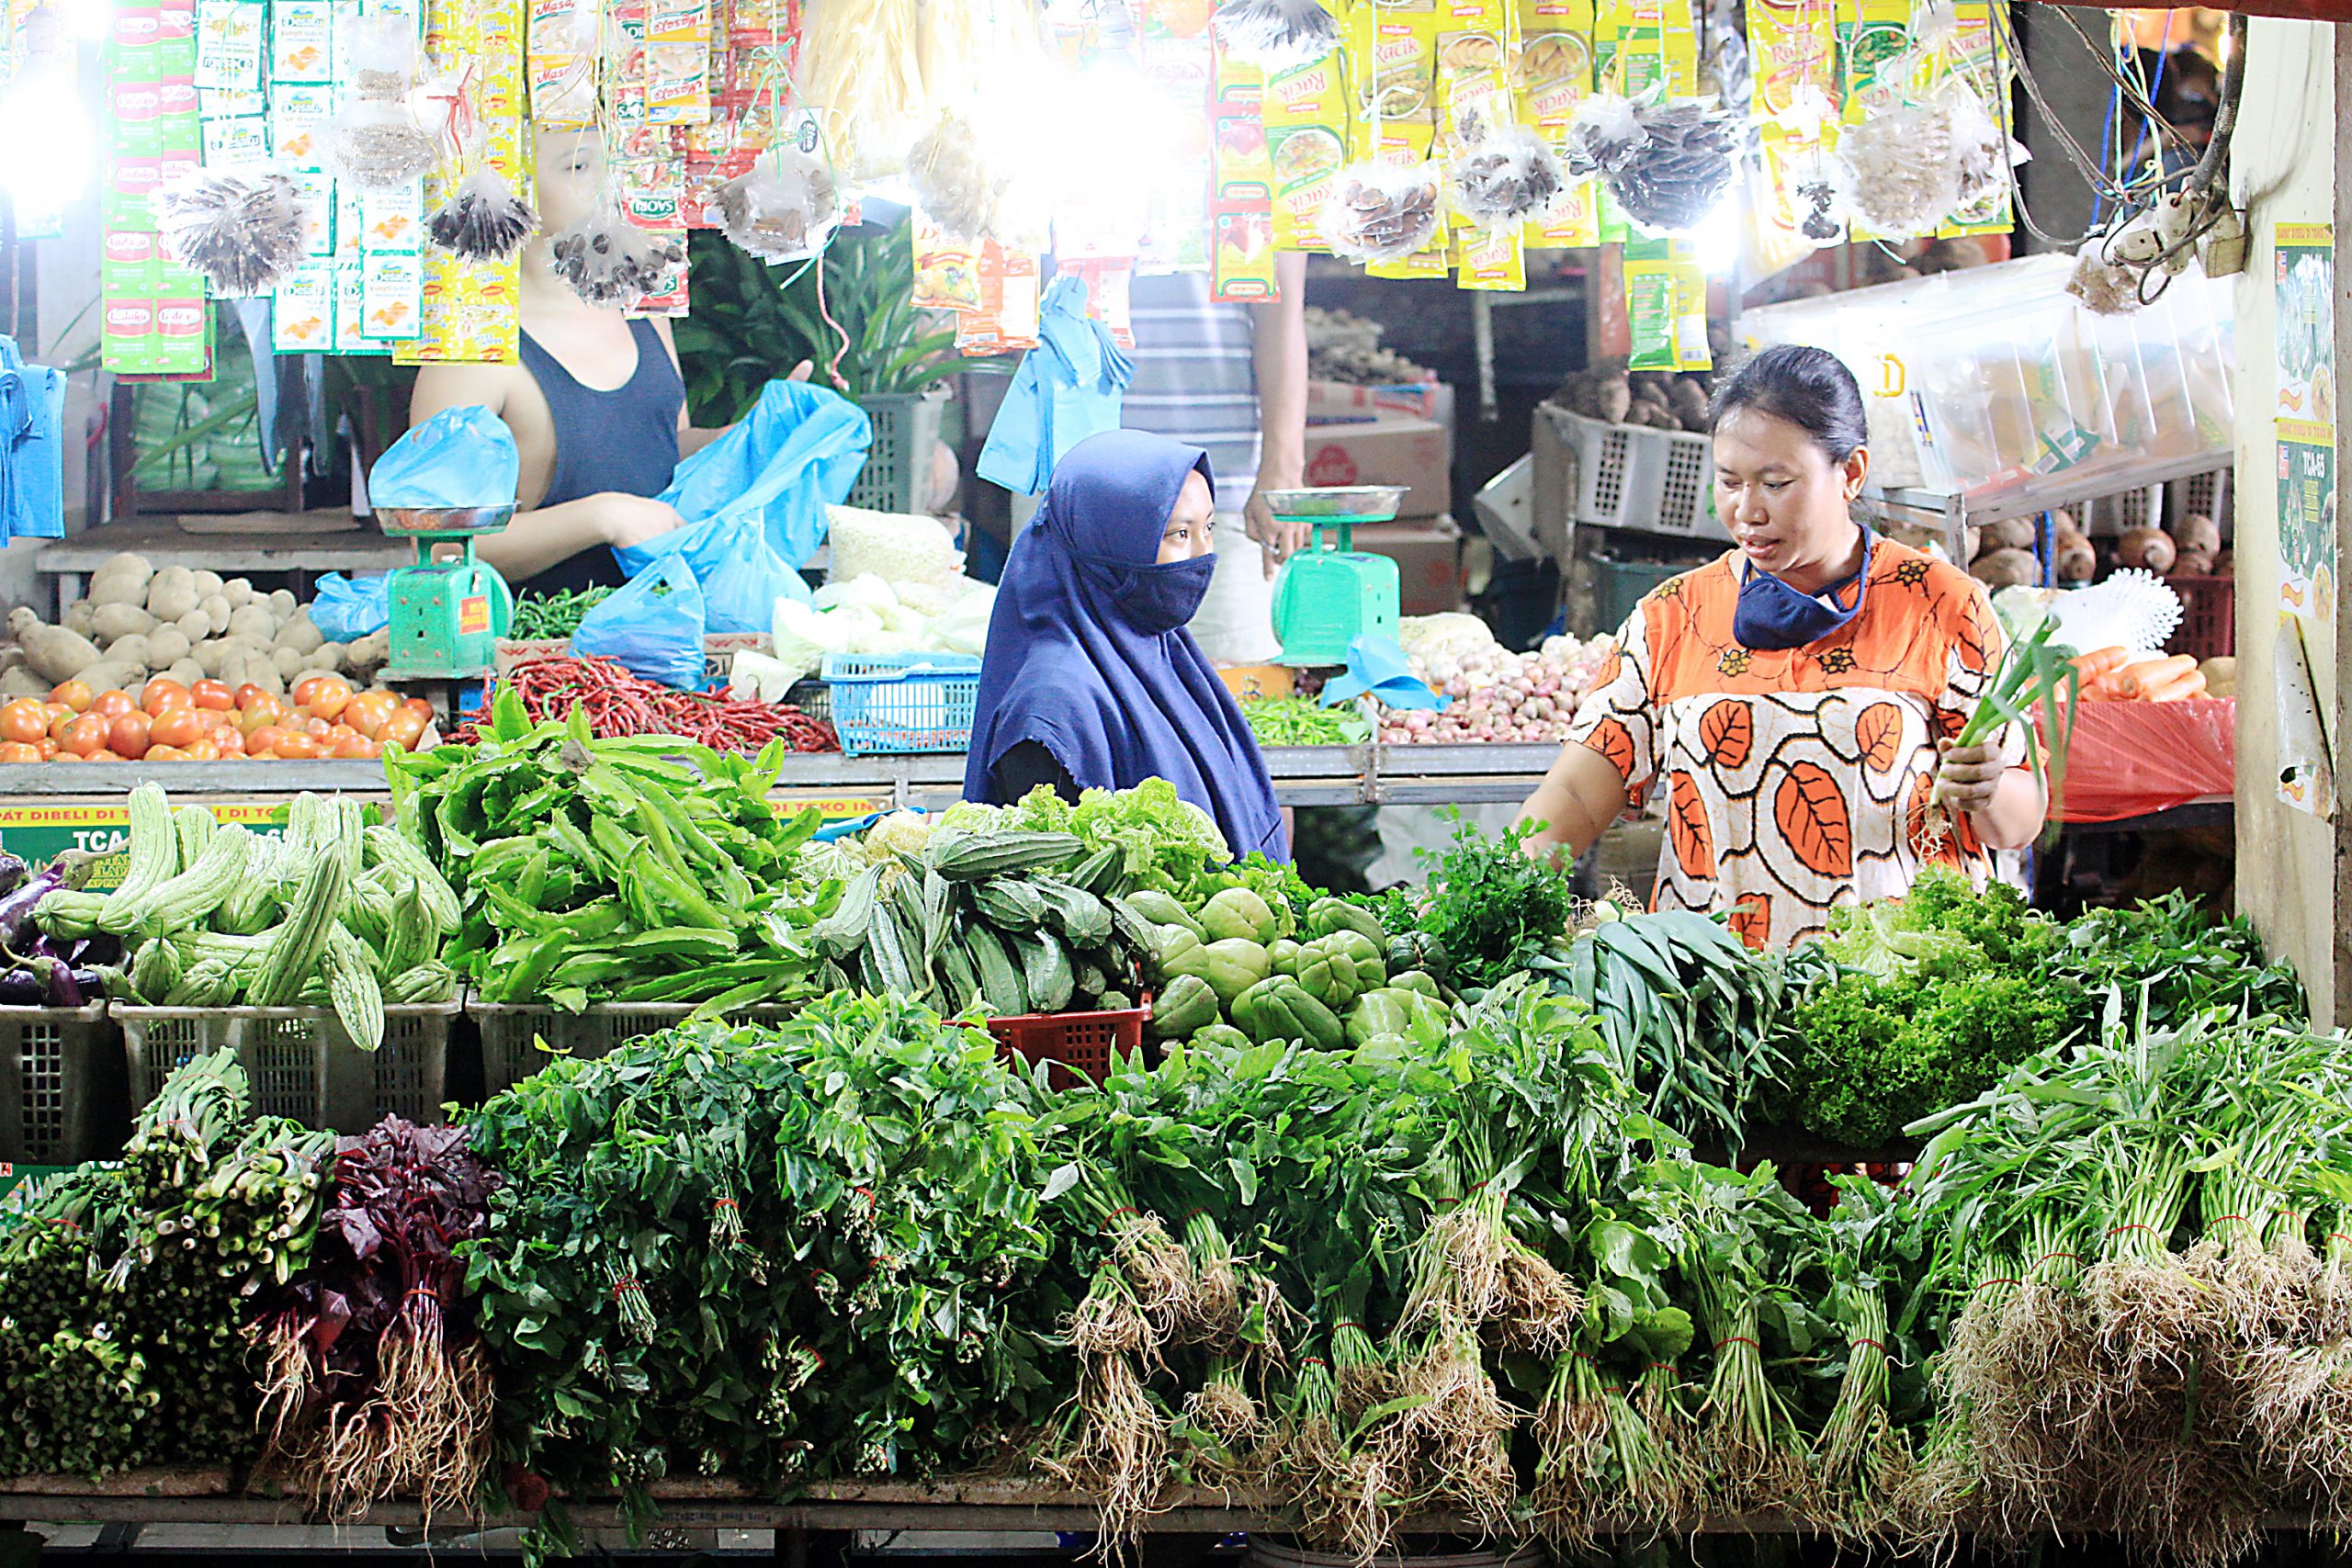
345 609
462 457
653 626
754 502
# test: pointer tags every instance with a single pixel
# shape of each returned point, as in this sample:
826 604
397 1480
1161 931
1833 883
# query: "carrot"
2101 661
2189 685
2157 672
2108 688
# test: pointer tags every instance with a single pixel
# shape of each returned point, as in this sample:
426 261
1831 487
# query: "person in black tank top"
596 404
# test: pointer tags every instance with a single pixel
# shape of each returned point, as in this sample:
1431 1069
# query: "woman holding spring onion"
1802 695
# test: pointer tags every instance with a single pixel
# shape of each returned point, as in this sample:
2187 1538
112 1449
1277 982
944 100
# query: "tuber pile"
138 621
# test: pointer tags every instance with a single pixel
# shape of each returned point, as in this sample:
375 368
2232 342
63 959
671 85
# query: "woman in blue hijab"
1091 681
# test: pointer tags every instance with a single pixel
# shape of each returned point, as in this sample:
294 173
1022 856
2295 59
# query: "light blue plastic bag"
799 449
461 456
653 626
1071 385
32 447
1377 665
345 608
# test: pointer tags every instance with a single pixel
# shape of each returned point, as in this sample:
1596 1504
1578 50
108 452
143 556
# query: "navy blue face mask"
1772 616
1156 599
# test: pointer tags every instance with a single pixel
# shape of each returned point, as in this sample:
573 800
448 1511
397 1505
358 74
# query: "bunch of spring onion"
2034 672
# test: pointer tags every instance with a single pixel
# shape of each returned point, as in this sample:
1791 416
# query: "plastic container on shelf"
2209 617
511 1034
898 703
59 1069
301 1062
1078 1044
897 476
1654 482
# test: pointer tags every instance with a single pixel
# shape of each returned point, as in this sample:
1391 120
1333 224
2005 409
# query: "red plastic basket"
2209 617
1079 1044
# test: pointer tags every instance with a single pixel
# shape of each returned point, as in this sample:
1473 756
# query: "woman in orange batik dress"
1799 696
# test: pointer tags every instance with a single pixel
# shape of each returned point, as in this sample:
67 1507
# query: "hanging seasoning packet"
1551 74
1305 115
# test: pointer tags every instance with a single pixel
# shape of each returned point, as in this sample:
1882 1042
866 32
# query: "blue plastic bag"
1071 385
32 447
773 474
345 608
1377 665
653 626
461 456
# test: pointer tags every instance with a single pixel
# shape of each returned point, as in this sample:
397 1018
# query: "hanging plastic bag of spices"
1510 177
375 141
244 228
1675 177
784 208
607 260
1276 35
482 218
1897 172
1380 212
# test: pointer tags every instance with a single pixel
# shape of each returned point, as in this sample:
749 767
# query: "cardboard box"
1428 553
1333 400
1415 452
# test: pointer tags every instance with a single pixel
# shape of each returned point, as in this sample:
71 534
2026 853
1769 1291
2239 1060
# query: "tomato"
177 728
19 751
75 695
402 729
112 704
23 721
302 746
358 746
162 692
57 711
367 712
102 757
47 747
316 728
304 689
57 725
86 735
214 694
249 694
204 751
329 694
265 712
164 754
263 738
128 733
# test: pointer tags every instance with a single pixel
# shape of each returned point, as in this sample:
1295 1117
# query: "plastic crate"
811 697
299 1061
2208 493
2209 617
59 1068
1629 475
903 702
1619 585
897 476
1079 1044
511 1033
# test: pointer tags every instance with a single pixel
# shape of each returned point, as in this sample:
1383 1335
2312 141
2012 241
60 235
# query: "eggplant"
17 927
13 872
21 989
102 949
64 988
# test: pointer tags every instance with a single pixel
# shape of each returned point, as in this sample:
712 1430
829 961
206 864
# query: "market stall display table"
301 544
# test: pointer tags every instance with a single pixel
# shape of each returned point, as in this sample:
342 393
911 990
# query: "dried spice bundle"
1276 35
375 141
783 209
483 219
607 260
242 229
1507 179
1382 211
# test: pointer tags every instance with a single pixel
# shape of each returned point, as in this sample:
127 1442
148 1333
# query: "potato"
2008 534
2197 535
207 584
238 591
131 649
2145 546
2221 671
21 681
254 621
282 604
368 654
54 654
79 615
310 670
216 613
166 646
214 653
2192 563
290 662
2072 559
187 672
329 657
2006 568
132 567
172 594
107 676
299 633
246 667
112 621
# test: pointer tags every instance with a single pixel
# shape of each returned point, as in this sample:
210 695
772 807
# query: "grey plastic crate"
299 1061
897 475
511 1033
60 1067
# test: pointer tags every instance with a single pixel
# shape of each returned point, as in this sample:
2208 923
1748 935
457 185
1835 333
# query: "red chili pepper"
618 704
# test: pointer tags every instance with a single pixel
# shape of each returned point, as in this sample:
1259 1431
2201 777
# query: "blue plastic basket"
903 702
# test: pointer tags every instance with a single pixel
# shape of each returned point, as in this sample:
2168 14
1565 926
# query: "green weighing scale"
1330 593
447 615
